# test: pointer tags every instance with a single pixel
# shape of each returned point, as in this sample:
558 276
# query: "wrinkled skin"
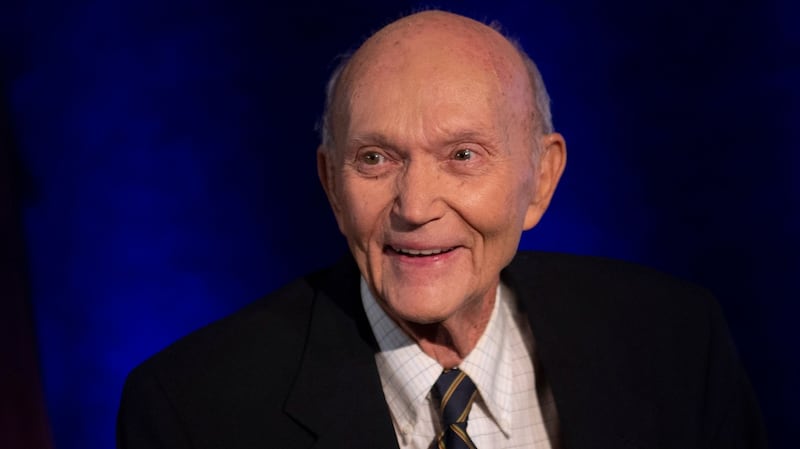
432 175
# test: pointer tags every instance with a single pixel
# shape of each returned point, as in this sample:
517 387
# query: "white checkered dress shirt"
508 412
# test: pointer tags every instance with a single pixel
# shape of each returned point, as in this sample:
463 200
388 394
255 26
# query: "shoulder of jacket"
599 279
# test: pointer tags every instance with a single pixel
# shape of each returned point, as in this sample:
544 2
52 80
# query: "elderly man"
437 152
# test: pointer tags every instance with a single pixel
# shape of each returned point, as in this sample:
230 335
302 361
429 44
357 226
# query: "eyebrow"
371 139
460 136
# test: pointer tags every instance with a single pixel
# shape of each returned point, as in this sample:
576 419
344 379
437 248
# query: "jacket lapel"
338 394
597 408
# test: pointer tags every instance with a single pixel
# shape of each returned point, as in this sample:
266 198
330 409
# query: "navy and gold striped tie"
456 393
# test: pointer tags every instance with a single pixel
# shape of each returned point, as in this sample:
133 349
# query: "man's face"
432 178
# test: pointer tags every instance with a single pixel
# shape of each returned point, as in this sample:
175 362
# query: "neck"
450 341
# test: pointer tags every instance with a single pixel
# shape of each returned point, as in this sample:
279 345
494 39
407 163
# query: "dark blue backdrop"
168 148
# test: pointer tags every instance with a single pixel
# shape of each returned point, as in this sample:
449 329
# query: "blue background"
166 156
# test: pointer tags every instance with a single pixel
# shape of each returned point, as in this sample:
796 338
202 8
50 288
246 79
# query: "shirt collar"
407 373
489 365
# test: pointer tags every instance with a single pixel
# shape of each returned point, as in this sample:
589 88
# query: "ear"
325 171
549 168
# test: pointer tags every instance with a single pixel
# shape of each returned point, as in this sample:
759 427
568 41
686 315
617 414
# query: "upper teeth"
423 252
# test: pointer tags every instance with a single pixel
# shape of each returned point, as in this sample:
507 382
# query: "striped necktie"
456 393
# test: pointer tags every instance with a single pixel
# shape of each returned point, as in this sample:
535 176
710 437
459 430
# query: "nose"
418 196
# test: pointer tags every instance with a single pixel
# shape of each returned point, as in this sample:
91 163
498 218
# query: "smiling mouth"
420 252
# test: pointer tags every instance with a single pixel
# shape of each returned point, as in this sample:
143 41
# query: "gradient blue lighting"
171 151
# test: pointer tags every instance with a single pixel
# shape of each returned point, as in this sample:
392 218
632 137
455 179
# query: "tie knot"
456 392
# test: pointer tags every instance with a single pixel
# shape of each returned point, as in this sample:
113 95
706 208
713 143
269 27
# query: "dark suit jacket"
634 359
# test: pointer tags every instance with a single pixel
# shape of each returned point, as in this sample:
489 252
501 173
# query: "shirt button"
406 429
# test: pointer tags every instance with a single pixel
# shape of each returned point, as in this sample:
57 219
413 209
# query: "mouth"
420 252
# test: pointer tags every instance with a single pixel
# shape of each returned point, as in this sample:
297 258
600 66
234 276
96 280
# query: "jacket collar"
337 394
597 406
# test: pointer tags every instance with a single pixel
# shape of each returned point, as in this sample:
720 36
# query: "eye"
372 158
463 154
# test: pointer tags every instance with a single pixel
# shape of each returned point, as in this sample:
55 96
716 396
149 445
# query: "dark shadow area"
23 419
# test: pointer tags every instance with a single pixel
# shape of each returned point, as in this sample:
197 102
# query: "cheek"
494 209
363 206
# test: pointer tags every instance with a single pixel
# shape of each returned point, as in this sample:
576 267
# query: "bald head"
434 165
420 51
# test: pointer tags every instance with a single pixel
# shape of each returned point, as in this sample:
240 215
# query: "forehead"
440 67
